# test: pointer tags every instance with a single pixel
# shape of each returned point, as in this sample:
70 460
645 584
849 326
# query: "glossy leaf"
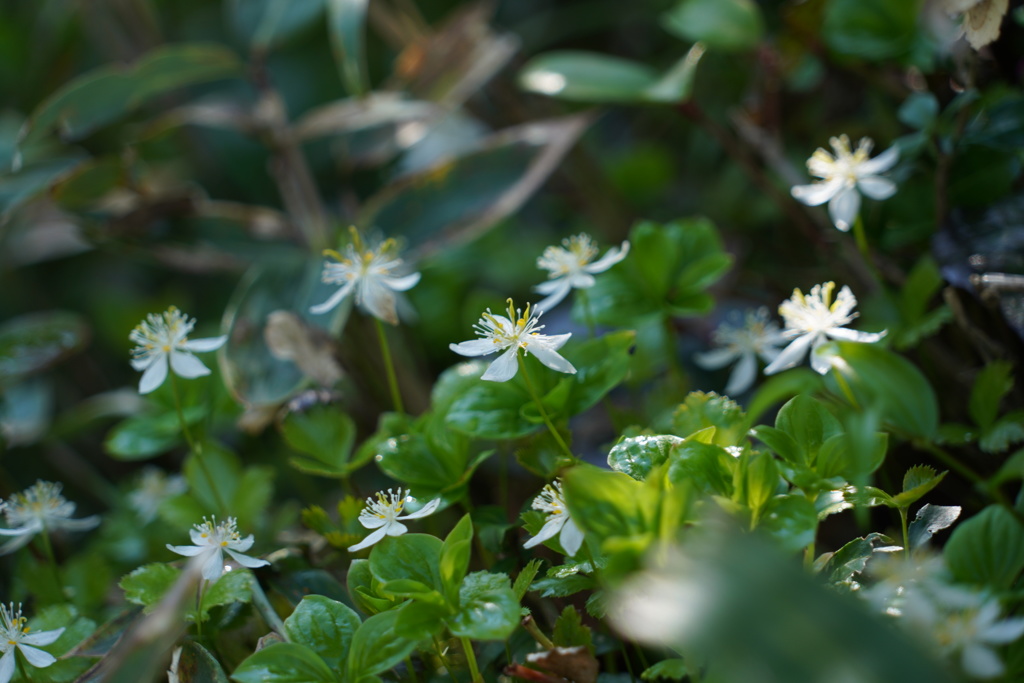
375 648
987 549
638 455
791 520
930 520
325 626
701 410
488 609
809 424
607 504
147 585
409 556
454 560
366 591
284 663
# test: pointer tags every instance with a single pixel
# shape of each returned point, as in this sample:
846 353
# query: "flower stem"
266 610
588 315
861 238
389 368
474 670
531 627
540 407
906 534
52 558
195 447
844 386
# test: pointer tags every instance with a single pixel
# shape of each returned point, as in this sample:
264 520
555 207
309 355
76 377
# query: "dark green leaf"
284 663
525 578
488 609
587 77
145 436
809 424
727 25
147 584
375 648
701 410
930 520
365 590
791 520
917 482
325 626
919 110
409 556
455 552
569 631
987 549
31 343
232 586
346 19
851 559
990 386
871 29
325 435
197 665
670 669
1008 430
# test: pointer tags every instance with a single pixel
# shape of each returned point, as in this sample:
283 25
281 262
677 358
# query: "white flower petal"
334 300
791 355
981 662
213 567
378 301
843 208
475 347
816 193
504 367
83 524
876 187
555 341
550 529
243 544
188 366
611 257
203 345
582 280
141 364
1001 632
22 530
820 362
37 658
845 334
551 358
880 164
571 537
401 284
395 529
7 666
714 359
427 509
43 637
154 375
186 550
743 375
560 292
246 561
15 544
370 520
369 540
552 285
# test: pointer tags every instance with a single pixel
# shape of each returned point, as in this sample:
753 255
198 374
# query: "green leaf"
917 482
569 631
852 558
638 455
197 665
485 410
701 410
791 520
671 669
213 475
425 454
284 663
144 436
30 181
233 586
607 504
488 609
365 590
809 424
601 365
727 25
581 76
410 556
990 386
454 561
781 443
525 578
375 648
706 467
987 549
930 520
253 495
1008 430
839 456
871 29
325 626
778 388
107 93
325 436
891 384
919 110
147 584
32 343
346 19
419 620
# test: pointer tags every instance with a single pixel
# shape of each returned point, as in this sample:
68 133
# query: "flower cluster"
39 509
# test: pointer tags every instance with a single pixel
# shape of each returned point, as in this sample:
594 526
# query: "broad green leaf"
346 19
197 665
990 386
1008 430
488 609
727 25
871 29
409 556
454 561
852 558
147 584
34 342
666 669
839 457
601 365
581 76
213 475
987 549
418 620
781 443
325 436
364 589
486 410
325 626
607 504
781 387
919 110
809 424
424 454
758 482
232 586
253 495
284 663
791 520
638 455
706 467
701 410
33 179
264 24
569 630
930 520
144 436
375 648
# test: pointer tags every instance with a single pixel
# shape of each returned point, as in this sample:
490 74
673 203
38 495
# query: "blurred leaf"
874 30
727 25
919 110
488 609
990 386
791 520
455 553
923 282
701 410
569 630
374 110
1008 430
197 665
525 578
670 669
33 179
147 584
346 19
375 648
88 183
638 455
987 549
32 343
323 433
284 663
607 504
107 93
852 558
930 520
981 176
781 387
144 436
232 586
325 626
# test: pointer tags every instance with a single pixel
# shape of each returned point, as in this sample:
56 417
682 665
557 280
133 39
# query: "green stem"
444 661
200 589
906 533
540 407
52 558
412 671
845 388
195 447
474 670
588 315
389 368
266 610
862 240
181 413
531 627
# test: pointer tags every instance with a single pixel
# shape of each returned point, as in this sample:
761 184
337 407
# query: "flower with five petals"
163 342
369 274
845 176
758 336
384 514
39 508
569 267
16 636
499 333
813 319
559 523
212 540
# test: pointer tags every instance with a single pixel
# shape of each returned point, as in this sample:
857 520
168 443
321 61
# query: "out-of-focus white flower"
384 514
16 636
845 176
500 333
368 273
972 632
812 320
163 341
212 540
154 487
559 523
757 336
981 19
36 509
569 267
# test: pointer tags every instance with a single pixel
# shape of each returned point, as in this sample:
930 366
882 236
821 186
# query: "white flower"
212 540
39 508
383 515
844 176
569 267
163 340
758 336
972 632
369 274
812 320
15 635
981 21
559 523
154 487
499 333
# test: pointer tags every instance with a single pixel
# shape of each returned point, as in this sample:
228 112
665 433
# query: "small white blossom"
370 275
154 487
559 523
15 635
845 176
980 19
972 632
500 333
758 336
569 267
811 321
163 341
384 513
39 508
212 540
